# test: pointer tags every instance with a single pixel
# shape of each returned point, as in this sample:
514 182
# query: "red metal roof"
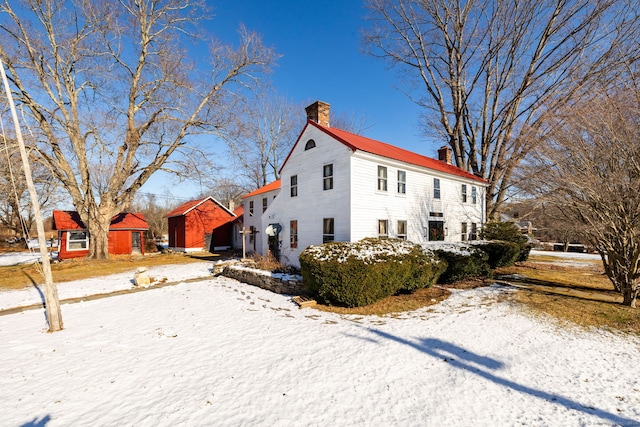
269 187
184 208
70 220
358 142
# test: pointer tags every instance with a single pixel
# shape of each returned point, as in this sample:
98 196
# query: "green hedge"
507 232
501 253
463 261
361 273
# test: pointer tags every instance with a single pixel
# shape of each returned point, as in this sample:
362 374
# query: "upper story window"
402 229
436 188
294 185
382 178
464 193
327 177
402 182
309 145
474 195
383 228
251 208
327 230
264 204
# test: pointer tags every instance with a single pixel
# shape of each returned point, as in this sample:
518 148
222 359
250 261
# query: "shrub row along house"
339 186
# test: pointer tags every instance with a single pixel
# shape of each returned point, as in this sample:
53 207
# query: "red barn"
203 224
126 234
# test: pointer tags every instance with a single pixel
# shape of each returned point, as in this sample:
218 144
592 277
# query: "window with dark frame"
383 228
327 177
402 229
464 193
293 234
294 185
436 188
327 230
402 182
382 178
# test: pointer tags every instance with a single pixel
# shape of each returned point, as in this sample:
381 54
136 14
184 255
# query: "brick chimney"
319 113
444 154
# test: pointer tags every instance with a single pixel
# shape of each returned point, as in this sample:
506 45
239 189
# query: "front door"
436 230
136 243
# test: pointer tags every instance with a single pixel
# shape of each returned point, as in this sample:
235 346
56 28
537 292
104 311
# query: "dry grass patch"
582 312
590 277
22 276
581 276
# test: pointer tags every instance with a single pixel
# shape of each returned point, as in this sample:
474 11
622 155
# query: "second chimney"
444 155
319 113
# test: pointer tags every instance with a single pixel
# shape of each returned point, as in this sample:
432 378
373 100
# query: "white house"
339 186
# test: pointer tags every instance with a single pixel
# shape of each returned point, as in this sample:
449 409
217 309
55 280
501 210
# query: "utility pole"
51 301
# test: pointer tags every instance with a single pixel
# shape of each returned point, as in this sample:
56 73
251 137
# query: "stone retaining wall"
287 285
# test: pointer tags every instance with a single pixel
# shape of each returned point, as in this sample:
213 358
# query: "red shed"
203 224
126 234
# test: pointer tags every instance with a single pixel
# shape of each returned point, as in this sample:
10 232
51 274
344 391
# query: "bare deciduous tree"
489 73
16 213
227 192
262 135
589 169
115 90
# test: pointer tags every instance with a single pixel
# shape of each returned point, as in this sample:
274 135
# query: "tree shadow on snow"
480 365
42 298
37 423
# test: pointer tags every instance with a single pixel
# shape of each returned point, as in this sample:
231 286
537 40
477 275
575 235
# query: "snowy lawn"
219 352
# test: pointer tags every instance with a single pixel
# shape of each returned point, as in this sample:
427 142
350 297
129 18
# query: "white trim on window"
77 241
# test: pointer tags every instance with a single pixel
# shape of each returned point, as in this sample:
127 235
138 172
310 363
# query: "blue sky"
322 58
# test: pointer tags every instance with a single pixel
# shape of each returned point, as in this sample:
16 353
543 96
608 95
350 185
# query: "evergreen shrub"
463 261
355 274
500 252
508 232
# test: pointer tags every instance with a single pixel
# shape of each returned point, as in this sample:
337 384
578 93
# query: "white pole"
54 315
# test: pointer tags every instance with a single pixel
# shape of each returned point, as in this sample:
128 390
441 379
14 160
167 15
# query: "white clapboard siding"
355 203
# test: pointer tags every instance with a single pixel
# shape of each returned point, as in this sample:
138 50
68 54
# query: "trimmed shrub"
463 261
508 232
361 273
501 253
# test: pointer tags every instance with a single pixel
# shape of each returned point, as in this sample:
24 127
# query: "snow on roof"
358 142
275 185
186 207
70 220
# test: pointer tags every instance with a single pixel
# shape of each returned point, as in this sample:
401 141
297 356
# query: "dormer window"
309 145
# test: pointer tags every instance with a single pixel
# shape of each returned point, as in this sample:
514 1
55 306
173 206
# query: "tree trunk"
99 237
630 295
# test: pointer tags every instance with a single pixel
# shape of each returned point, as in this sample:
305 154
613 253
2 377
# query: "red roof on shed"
70 220
184 208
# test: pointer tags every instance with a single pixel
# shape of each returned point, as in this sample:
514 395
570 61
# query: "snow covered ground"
219 352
